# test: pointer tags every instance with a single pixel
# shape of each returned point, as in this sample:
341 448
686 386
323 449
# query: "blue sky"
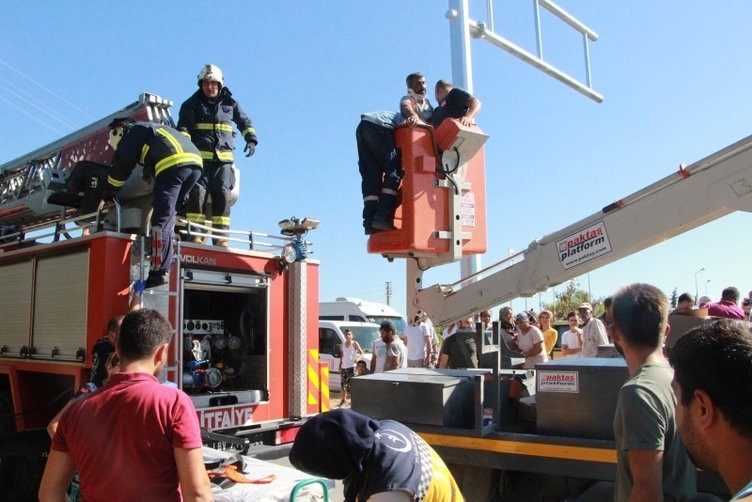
675 76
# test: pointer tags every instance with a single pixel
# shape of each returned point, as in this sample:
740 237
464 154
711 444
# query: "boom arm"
707 190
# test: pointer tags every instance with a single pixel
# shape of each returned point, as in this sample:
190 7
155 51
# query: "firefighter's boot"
156 279
369 211
220 238
384 218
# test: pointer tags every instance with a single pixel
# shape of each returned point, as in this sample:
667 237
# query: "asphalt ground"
278 455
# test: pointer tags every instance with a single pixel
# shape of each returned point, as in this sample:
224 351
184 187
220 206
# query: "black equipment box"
577 397
418 396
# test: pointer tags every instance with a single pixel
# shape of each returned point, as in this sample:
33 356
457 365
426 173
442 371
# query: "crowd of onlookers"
534 336
675 413
529 333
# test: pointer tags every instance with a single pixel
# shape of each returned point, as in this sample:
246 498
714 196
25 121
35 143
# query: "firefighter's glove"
139 287
250 148
109 194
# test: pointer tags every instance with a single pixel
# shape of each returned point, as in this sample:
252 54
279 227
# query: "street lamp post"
706 287
697 289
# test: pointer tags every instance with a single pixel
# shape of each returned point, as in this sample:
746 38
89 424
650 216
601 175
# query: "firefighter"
380 169
206 117
168 157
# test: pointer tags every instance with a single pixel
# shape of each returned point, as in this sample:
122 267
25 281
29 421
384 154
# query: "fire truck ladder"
164 299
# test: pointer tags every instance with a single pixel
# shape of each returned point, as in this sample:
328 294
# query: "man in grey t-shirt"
396 352
652 463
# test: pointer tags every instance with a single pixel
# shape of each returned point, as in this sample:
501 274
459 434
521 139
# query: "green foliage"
571 298
674 298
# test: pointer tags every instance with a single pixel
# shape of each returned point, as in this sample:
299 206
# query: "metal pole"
459 37
697 289
489 9
538 35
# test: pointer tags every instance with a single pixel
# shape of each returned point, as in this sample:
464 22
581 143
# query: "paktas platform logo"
583 246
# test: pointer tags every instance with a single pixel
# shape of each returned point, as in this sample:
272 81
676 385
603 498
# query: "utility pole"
388 292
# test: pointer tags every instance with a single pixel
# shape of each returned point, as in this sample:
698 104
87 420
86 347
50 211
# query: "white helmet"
212 73
117 131
116 135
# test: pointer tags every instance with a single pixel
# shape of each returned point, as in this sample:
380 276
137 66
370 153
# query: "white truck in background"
331 338
348 308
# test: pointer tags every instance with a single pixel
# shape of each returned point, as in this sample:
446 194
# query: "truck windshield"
399 322
365 335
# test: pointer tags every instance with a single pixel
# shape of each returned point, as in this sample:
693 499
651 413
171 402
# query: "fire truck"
524 434
245 345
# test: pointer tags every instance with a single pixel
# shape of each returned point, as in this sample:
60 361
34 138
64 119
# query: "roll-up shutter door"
60 304
15 306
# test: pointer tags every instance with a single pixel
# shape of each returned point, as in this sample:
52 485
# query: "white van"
331 338
347 308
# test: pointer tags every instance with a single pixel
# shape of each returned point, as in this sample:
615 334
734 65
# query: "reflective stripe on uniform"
195 217
186 134
249 130
116 183
171 139
211 155
206 126
144 153
225 155
175 159
221 220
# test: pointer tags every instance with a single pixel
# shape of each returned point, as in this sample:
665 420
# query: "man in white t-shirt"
418 341
571 341
378 356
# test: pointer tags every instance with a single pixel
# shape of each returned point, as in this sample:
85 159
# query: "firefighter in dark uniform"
171 160
206 117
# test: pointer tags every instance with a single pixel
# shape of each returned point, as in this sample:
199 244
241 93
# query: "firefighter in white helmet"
206 117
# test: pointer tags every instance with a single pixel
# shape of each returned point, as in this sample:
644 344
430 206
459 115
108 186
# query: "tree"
571 298
674 298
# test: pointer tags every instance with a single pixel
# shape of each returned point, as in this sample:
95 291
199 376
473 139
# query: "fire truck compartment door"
60 301
15 306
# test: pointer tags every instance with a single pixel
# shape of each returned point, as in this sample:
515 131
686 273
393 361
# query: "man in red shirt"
727 307
132 439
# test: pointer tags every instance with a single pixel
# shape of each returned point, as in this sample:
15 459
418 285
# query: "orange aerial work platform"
437 192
